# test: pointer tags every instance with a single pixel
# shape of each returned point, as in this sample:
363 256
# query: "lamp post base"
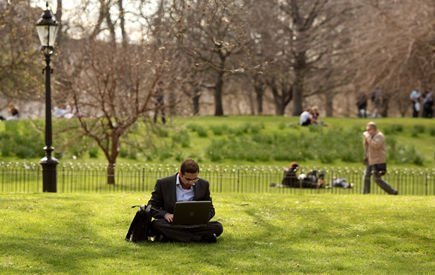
49 175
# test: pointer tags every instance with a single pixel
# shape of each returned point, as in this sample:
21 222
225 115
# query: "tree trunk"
278 101
298 88
124 36
402 104
252 106
59 13
329 104
219 111
280 109
110 25
195 101
172 102
297 97
113 155
111 173
259 92
385 106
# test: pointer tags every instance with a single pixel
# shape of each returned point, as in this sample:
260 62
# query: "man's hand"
366 160
366 134
169 217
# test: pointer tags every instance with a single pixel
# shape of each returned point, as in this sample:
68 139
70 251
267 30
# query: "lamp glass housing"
47 28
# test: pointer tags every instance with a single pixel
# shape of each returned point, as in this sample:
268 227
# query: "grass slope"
264 233
407 132
249 140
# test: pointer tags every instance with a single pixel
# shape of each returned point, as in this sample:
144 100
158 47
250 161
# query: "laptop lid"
191 212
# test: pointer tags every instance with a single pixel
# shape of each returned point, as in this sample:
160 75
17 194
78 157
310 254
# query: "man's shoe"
163 239
395 193
210 238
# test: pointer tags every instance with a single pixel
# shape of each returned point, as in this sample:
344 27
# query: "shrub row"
25 139
325 146
246 142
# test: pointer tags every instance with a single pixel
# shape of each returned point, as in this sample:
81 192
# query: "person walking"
427 104
159 104
361 104
375 159
377 101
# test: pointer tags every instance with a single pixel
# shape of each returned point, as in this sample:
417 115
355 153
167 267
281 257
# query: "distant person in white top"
306 117
63 112
415 97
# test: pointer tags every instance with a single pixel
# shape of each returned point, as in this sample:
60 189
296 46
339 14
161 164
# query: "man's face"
371 130
188 179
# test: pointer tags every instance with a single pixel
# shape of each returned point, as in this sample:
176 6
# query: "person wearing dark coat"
183 186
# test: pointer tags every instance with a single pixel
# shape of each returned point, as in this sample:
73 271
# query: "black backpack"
140 226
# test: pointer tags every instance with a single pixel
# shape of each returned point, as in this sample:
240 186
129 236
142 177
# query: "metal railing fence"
88 177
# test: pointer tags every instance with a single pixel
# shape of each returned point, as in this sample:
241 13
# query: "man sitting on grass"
183 186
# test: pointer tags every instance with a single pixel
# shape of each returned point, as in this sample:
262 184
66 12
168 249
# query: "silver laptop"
191 212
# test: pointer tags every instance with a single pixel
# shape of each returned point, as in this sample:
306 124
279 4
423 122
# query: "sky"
71 4
67 4
89 17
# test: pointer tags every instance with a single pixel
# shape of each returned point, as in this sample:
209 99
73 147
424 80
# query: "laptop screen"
191 212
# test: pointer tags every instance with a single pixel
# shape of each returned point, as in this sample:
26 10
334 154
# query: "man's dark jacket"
164 196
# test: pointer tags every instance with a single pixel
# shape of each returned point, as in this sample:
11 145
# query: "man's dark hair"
189 166
14 111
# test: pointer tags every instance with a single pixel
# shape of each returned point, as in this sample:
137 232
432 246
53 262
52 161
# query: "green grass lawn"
263 233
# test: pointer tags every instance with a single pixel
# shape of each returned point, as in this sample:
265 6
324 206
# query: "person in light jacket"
375 159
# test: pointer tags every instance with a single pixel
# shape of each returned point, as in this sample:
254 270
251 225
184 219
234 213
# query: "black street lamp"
47 28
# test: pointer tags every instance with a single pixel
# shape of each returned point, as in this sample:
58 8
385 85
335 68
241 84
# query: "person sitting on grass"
290 178
312 179
183 186
306 117
315 116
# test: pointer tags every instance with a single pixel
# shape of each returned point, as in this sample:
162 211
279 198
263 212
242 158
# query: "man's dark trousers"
187 233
